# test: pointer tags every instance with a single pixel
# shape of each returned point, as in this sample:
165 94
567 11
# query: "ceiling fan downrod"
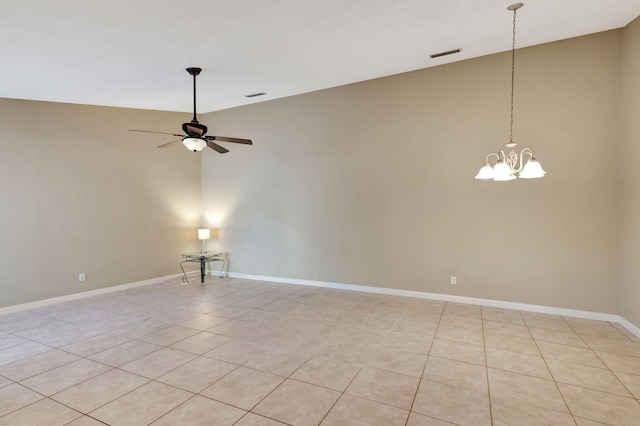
194 71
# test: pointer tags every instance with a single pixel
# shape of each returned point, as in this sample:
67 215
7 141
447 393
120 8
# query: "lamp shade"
532 170
502 172
194 144
204 234
486 172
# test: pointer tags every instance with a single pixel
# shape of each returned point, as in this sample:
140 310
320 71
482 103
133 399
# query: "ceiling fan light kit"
194 144
510 165
195 138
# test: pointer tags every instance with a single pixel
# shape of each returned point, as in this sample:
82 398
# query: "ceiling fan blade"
164 145
217 147
158 133
226 139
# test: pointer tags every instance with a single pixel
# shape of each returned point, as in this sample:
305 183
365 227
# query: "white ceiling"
132 53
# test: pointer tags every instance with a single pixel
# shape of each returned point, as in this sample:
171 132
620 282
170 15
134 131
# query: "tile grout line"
359 370
607 368
424 367
551 372
486 362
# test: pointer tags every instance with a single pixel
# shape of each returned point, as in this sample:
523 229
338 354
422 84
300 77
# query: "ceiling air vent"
253 95
448 52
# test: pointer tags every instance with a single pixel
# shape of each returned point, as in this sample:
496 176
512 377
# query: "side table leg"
202 264
221 274
185 279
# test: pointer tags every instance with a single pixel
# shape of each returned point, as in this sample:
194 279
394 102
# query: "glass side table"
202 259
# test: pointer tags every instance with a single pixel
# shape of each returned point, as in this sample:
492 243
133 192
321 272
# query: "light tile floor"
248 353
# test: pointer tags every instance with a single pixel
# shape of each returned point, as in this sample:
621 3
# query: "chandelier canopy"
510 165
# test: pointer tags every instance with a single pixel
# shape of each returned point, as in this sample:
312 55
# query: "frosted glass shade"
204 234
502 172
486 172
194 144
532 170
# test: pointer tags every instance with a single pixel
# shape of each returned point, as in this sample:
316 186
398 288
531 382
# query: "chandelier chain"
513 72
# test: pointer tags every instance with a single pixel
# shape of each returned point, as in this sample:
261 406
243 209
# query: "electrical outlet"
453 280
82 277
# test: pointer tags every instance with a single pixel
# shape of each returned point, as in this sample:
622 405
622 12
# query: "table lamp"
204 235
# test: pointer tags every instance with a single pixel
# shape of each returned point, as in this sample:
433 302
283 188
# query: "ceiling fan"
195 137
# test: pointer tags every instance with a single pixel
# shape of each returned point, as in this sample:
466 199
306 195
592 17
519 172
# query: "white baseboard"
632 328
450 298
82 295
361 288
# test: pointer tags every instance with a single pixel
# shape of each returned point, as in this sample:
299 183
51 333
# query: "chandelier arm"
526 151
486 160
522 153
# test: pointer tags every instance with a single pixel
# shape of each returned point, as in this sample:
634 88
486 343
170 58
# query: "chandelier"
510 165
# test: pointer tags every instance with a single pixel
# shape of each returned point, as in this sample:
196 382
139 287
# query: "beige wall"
372 183
630 179
367 184
80 193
